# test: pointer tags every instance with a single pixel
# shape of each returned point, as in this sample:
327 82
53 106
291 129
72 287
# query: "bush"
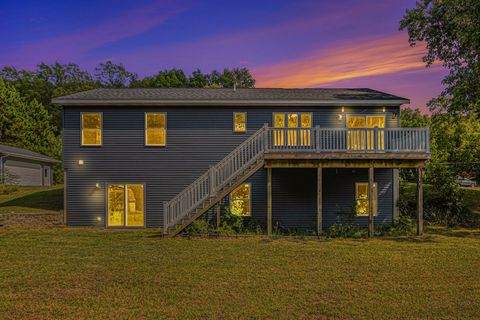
348 230
197 227
406 227
8 189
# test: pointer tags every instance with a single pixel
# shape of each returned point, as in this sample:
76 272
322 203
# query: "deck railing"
292 140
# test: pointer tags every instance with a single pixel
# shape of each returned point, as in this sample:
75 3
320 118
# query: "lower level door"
126 205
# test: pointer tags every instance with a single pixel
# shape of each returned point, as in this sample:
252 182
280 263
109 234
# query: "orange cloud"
363 58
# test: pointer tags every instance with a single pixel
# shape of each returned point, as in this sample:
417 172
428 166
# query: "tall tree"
111 75
450 29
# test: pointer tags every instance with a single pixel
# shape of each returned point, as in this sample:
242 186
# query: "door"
359 139
126 205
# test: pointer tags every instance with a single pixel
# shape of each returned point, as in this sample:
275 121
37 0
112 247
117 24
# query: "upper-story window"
239 122
294 136
155 129
91 129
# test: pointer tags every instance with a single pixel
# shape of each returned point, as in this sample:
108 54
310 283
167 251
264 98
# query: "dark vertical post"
371 196
420 201
65 184
396 196
319 201
218 212
269 201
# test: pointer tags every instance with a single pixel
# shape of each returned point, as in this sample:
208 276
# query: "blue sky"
351 43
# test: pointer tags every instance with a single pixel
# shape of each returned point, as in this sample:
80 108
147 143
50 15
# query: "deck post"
269 201
319 201
420 201
218 210
371 196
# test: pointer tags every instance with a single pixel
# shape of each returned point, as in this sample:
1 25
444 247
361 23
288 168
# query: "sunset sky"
324 43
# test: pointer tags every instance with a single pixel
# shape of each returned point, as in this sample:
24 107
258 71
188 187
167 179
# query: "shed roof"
224 96
26 154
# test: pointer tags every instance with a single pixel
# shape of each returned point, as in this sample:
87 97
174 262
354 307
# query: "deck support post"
218 210
371 196
319 201
269 201
420 201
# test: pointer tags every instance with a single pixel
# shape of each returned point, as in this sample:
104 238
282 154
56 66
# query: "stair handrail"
215 178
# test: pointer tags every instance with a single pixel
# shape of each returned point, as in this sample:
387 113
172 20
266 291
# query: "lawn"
33 200
69 273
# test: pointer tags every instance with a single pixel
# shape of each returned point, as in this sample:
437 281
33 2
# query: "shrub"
8 189
348 230
197 227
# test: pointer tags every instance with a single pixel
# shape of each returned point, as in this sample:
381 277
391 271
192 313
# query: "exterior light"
99 219
394 115
343 109
340 116
80 162
97 185
383 109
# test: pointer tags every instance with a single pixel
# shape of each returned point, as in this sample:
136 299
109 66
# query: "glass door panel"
306 123
135 213
116 205
376 122
356 138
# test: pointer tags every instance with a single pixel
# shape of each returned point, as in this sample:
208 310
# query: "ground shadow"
456 233
51 200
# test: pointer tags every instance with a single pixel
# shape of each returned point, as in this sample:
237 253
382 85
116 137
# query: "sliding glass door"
359 139
126 205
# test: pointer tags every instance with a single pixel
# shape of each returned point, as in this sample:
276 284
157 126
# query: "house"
25 168
289 158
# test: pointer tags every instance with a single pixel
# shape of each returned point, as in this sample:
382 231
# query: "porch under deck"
342 160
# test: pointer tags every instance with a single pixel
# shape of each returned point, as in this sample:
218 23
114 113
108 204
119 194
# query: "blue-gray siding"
197 137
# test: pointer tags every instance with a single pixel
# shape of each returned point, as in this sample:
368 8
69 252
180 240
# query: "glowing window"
294 121
239 121
126 206
155 129
240 203
362 201
91 129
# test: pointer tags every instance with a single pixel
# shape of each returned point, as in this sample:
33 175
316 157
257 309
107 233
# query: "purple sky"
325 43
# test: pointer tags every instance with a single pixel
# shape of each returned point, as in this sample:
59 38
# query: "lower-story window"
126 205
362 199
240 203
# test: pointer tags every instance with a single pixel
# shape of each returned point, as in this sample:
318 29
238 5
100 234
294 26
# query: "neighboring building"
292 158
25 168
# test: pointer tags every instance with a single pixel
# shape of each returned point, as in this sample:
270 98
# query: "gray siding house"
25 168
282 158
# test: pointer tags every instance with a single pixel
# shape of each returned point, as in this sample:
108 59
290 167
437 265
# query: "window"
240 203
239 122
362 201
91 129
155 129
126 205
363 139
293 137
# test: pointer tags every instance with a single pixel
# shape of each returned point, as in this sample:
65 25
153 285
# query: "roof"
224 96
26 154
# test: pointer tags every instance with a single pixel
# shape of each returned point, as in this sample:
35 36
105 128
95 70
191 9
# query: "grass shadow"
456 233
51 200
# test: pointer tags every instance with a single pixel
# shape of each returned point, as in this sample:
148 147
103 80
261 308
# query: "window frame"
249 199
106 219
81 129
365 116
375 208
285 119
246 122
145 130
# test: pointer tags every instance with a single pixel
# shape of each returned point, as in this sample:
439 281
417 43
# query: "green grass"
68 273
33 200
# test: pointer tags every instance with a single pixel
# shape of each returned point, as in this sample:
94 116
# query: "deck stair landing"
221 179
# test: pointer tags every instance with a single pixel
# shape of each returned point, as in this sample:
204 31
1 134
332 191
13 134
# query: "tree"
450 30
111 75
173 78
413 118
48 81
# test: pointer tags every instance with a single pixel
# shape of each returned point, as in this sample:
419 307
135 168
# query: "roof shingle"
154 96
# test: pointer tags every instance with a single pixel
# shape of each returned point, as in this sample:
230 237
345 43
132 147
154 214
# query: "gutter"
366 103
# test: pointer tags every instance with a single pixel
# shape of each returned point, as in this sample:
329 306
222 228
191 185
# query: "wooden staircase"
215 184
209 203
